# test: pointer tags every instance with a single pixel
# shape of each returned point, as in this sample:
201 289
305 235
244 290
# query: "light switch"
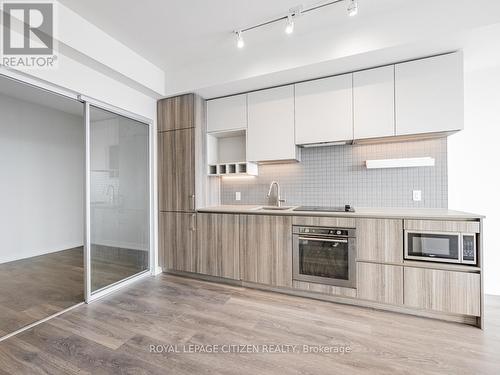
238 196
417 195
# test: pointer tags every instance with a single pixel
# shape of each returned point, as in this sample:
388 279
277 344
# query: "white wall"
42 179
474 177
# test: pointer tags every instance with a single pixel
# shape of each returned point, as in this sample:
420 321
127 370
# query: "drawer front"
325 289
446 291
380 240
442 226
380 282
319 221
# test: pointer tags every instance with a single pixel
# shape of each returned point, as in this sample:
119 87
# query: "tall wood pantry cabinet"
177 121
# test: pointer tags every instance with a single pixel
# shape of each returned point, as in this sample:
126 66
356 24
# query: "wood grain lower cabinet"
177 241
325 289
380 282
266 249
218 245
176 169
442 226
380 240
323 221
445 291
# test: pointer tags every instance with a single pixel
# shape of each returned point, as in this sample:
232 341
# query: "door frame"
89 296
86 101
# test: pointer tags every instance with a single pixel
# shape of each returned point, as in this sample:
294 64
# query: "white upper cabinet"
373 92
228 113
323 110
430 95
271 133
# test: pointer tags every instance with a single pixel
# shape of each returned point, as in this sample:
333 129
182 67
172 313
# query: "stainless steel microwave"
448 247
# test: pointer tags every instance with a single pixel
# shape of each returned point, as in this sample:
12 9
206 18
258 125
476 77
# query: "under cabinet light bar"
401 163
322 144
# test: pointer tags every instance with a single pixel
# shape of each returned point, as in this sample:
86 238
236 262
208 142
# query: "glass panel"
42 153
119 198
324 259
433 245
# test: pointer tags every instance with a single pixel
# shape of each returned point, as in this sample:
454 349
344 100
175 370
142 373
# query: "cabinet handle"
193 201
193 223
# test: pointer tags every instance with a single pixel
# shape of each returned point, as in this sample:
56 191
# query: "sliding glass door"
118 199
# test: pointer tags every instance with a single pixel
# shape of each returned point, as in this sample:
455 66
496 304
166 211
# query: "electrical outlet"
417 195
238 196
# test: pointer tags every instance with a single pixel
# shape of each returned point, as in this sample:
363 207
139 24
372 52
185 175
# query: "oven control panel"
330 232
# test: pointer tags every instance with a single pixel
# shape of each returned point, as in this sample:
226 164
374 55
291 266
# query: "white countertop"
391 213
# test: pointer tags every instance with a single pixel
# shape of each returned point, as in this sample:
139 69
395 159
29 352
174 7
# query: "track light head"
352 8
293 13
240 43
289 24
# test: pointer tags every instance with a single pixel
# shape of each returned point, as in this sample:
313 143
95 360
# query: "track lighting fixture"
293 13
352 8
289 24
240 43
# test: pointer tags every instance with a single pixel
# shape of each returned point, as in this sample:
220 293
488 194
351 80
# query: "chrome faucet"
277 201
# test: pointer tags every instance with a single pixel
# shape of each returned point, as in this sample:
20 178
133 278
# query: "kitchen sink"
274 208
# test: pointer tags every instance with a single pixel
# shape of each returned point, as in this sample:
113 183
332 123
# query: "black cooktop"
346 208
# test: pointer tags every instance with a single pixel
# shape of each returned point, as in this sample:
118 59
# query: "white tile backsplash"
336 175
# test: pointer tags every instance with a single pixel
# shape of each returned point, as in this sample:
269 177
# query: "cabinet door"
177 241
271 127
380 240
373 92
446 291
380 282
176 113
430 95
323 110
266 249
218 245
176 170
227 113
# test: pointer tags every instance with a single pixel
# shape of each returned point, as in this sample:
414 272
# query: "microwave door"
439 247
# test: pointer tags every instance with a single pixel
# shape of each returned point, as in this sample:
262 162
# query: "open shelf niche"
226 154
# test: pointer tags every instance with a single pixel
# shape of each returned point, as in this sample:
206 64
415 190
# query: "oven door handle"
322 239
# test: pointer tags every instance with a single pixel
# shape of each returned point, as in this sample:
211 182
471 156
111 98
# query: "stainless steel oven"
325 255
448 247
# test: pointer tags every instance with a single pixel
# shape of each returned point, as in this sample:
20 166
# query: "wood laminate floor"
34 288
114 336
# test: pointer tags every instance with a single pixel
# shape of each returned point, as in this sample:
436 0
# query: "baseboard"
68 246
199 276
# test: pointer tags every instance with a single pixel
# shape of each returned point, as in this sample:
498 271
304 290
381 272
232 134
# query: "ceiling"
192 41
172 33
